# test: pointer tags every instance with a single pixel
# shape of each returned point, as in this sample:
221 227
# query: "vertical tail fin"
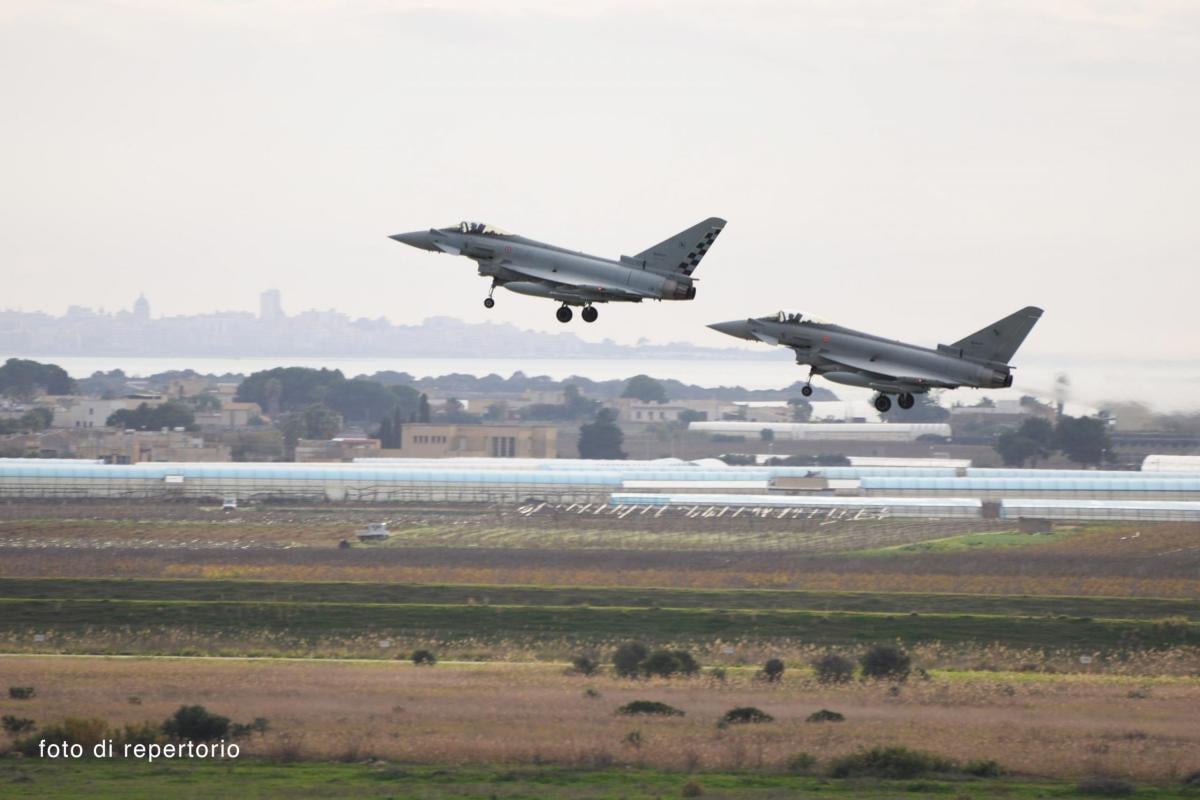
999 341
681 253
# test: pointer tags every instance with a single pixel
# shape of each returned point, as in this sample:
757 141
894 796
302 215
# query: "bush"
649 707
833 668
666 663
691 789
886 661
984 769
424 658
888 762
745 714
801 763
585 664
1105 787
20 692
196 724
825 715
87 732
773 670
15 726
628 658
143 733
718 674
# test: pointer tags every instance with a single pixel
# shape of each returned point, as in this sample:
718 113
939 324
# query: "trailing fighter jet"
854 358
664 272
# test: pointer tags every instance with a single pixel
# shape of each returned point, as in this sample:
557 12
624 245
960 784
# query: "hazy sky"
914 169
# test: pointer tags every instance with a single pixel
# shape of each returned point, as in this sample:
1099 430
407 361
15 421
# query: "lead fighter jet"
525 266
854 358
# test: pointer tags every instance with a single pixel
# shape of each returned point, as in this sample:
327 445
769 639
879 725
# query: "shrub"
984 769
801 763
888 762
687 664
649 707
20 692
633 739
773 670
745 714
825 715
591 693
628 658
15 726
718 674
661 663
886 661
143 733
691 789
197 724
87 732
1105 787
833 668
585 664
424 658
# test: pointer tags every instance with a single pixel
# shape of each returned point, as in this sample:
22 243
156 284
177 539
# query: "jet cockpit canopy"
795 318
481 229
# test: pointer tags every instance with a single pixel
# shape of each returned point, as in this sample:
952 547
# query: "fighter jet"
889 367
525 266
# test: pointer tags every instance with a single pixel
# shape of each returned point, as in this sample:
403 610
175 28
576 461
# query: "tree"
767 435
424 414
646 389
772 671
1083 440
601 438
24 379
320 422
885 661
205 402
172 414
577 406
627 660
801 409
1034 440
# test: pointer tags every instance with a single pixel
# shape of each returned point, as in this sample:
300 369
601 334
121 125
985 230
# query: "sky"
915 170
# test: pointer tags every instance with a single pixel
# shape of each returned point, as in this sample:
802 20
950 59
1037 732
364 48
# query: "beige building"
421 440
231 415
93 412
639 412
132 447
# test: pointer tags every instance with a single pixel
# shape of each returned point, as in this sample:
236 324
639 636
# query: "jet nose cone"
738 327
419 239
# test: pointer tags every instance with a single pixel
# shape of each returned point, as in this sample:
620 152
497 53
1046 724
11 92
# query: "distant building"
270 306
230 415
636 411
141 309
93 412
343 448
419 440
132 447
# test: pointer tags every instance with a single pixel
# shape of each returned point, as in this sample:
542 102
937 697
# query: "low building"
632 410
230 415
343 448
132 447
93 412
432 440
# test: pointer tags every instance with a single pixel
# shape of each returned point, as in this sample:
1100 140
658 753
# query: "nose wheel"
564 313
906 401
883 403
589 314
488 302
806 390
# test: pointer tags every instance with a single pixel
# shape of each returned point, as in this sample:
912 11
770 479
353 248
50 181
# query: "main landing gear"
883 403
564 313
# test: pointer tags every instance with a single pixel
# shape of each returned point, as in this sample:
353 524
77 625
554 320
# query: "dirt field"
1049 726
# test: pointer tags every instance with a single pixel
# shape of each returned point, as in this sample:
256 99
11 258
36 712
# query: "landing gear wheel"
589 314
883 404
488 302
806 390
564 314
906 401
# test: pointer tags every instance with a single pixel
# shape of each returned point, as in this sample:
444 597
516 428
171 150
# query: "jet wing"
546 275
892 371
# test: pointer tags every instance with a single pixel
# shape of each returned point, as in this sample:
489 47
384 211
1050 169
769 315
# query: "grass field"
253 779
1055 727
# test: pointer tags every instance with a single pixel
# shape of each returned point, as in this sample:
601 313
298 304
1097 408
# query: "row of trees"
22 379
1084 440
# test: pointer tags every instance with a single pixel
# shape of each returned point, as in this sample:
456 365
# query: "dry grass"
1061 728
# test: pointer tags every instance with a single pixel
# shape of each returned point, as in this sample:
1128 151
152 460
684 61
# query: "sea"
1164 386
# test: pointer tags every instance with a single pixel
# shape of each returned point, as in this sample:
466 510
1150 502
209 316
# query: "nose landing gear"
564 313
589 314
488 302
